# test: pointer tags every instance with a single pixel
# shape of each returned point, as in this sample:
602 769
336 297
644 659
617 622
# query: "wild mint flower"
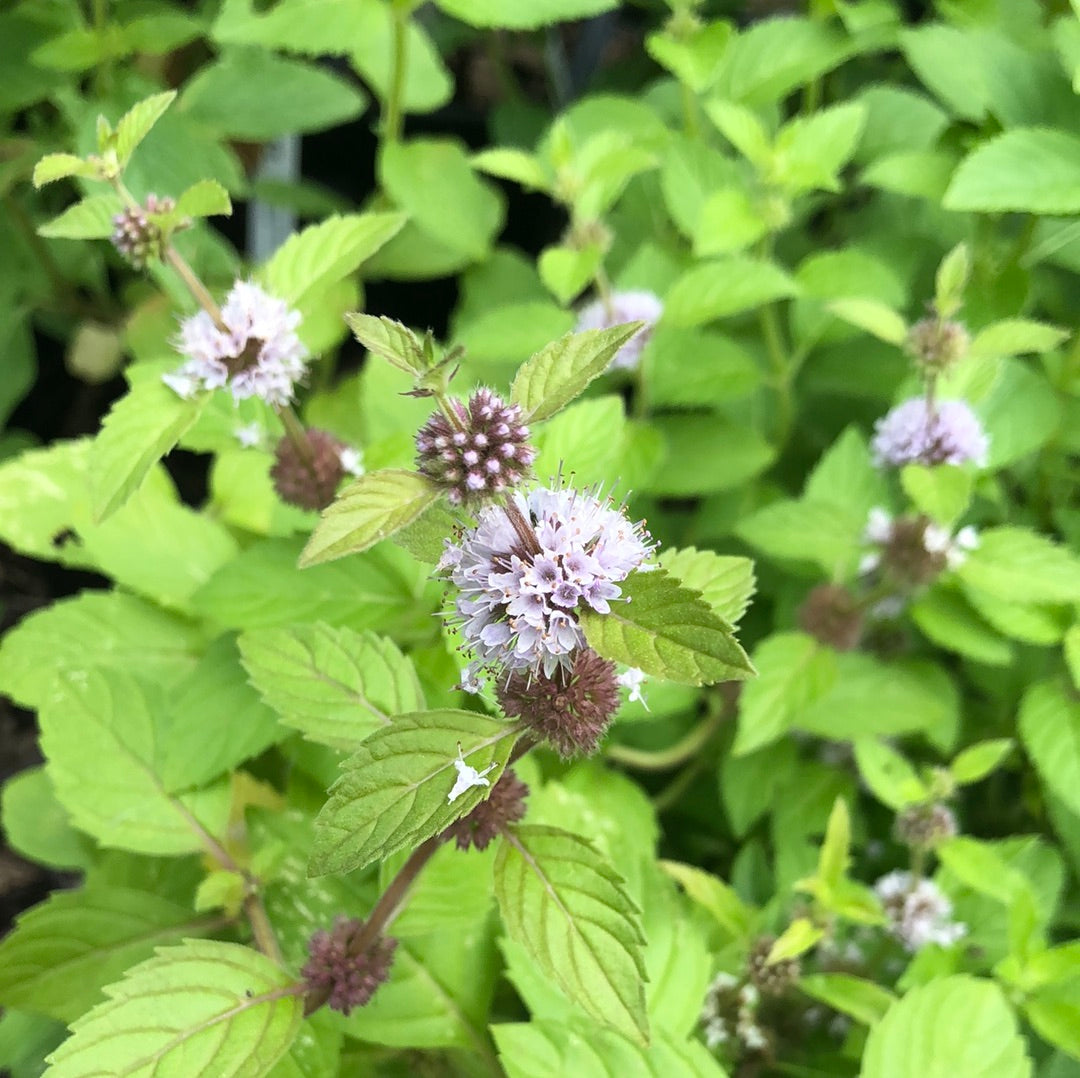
522 573
832 615
135 236
948 432
771 978
913 550
937 343
632 679
482 450
925 826
308 476
249 435
917 911
352 460
505 805
729 1017
258 354
336 974
623 307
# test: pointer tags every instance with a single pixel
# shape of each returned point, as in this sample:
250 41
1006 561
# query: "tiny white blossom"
918 912
352 460
878 525
249 435
467 777
471 679
633 679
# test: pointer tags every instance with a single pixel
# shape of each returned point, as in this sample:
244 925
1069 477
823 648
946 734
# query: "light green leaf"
202 1008
1027 170
1049 724
323 253
942 492
1015 563
951 280
811 150
860 999
511 15
566 271
136 123
333 684
90 219
952 1026
141 427
694 55
983 869
384 337
668 631
795 940
548 381
1072 654
367 511
726 453
947 619
584 441
58 166
1014 337
726 583
509 163
394 790
719 899
891 779
571 911
207 198
63 951
806 530
875 317
730 221
979 760
1054 1013
835 850
36 825
725 287
101 736
743 129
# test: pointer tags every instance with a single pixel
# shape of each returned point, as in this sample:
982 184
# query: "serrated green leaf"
207 198
720 900
323 253
394 790
141 427
509 163
384 337
798 938
891 779
875 317
860 999
100 735
367 511
951 280
570 910
549 380
979 760
63 951
90 219
1049 724
947 619
136 123
205 1007
36 826
952 1026
567 271
1014 337
942 492
1018 564
725 287
58 166
726 583
334 685
983 869
667 631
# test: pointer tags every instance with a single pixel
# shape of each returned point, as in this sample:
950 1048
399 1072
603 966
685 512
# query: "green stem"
781 372
663 759
297 434
673 793
691 121
392 122
103 73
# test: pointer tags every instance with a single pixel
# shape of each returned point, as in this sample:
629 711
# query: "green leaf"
1014 337
427 176
566 271
811 150
798 938
1072 654
548 381
806 530
693 56
875 317
1026 170
202 1008
101 735
334 685
91 219
58 166
393 791
860 999
793 670
1015 563
979 760
207 198
584 441
983 869
136 123
64 950
36 825
891 779
509 163
1054 1013
668 631
725 287
835 850
726 583
510 15
141 427
367 511
719 899
952 278
253 94
730 221
310 260
1049 724
952 1026
942 492
945 617
570 910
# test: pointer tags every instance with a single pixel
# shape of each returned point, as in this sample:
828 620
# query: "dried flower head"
255 351
339 976
918 913
831 614
912 551
525 568
505 805
138 238
937 343
946 432
570 709
925 826
622 307
771 979
481 450
309 477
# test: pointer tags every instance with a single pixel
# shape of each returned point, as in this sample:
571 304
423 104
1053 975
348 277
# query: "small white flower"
249 435
467 777
471 680
352 460
633 679
918 912
878 525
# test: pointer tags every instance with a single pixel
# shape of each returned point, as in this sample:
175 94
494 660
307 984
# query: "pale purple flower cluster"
623 307
917 911
522 572
258 354
948 432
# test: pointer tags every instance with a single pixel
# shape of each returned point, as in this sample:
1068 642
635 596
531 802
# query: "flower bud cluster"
918 912
912 551
936 344
924 826
339 973
135 236
504 805
308 475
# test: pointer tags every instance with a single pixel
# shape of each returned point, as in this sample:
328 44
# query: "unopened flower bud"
571 709
135 236
771 979
937 343
308 479
340 974
832 615
925 826
505 805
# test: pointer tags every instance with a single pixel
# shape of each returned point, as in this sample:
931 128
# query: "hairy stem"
663 759
392 121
